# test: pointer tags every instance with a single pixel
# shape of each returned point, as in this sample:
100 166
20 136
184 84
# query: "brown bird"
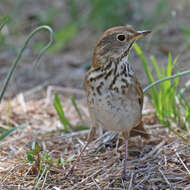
114 95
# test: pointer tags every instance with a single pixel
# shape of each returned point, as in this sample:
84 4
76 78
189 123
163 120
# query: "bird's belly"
116 112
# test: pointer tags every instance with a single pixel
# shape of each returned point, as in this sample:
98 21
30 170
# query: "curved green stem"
12 69
3 21
166 78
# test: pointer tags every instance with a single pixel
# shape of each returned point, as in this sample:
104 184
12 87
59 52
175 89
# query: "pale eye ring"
121 37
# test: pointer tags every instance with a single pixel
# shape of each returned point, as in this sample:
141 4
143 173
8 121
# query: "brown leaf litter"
163 162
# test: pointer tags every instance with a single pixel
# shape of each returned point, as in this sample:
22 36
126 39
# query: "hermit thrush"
114 95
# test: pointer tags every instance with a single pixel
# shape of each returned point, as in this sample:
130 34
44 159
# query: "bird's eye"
121 37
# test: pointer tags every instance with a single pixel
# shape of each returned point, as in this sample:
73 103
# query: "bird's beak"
140 34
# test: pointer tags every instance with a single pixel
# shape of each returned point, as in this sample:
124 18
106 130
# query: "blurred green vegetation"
160 14
72 16
107 13
186 31
3 21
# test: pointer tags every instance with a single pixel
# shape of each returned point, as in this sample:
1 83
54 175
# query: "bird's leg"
90 137
126 156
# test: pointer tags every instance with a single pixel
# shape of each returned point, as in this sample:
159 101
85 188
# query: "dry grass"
161 163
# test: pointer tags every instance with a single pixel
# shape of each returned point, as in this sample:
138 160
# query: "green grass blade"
7 133
156 67
148 73
169 66
144 61
76 108
167 84
10 131
61 114
81 127
78 127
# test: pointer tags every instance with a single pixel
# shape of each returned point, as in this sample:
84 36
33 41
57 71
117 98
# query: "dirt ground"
67 68
160 163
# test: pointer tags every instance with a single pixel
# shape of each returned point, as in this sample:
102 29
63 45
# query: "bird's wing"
140 93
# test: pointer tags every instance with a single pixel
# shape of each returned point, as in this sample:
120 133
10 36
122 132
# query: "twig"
144 179
44 179
14 167
13 139
187 187
153 151
165 161
107 133
165 178
74 134
182 163
36 185
155 126
85 179
148 111
131 181
96 183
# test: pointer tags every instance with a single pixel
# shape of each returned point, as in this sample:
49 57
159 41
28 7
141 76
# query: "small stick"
131 181
182 163
96 183
153 151
77 185
90 137
165 178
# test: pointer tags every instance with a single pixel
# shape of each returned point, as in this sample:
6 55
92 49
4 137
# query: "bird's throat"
126 53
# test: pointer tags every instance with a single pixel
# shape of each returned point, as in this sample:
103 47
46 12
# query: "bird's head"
115 43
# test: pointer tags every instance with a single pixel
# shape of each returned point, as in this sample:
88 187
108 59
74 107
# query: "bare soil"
160 163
